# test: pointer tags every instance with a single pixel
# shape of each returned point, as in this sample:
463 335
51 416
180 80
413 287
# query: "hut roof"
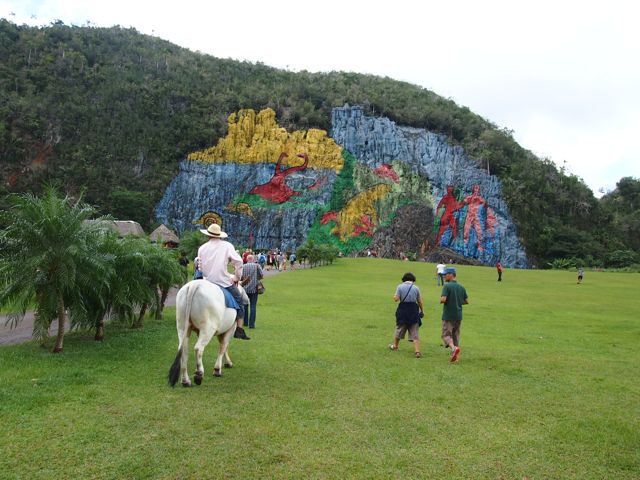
164 235
128 227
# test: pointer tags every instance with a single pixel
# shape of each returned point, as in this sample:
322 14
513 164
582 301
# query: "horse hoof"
197 377
228 365
217 372
186 384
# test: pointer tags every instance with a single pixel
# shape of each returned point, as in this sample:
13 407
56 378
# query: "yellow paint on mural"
257 138
241 207
207 219
362 204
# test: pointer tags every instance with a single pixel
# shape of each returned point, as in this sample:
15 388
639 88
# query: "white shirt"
215 256
441 267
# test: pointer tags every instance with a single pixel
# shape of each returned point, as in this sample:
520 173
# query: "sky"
563 76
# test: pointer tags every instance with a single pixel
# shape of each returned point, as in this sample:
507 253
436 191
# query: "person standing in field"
440 272
251 273
499 269
409 313
580 273
453 296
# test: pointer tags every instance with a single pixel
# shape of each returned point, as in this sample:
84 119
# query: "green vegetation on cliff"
111 112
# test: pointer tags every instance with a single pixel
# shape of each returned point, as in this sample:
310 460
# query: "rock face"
363 186
477 226
405 236
200 188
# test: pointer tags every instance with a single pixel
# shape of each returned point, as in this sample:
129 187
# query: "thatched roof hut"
164 235
128 227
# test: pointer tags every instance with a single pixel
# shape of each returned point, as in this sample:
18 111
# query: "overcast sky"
563 75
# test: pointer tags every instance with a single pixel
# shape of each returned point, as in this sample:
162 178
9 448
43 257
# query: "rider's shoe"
239 333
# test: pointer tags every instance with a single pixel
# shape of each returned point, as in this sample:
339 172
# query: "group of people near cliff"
273 259
410 312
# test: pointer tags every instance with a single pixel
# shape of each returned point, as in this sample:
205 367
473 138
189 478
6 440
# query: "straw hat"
214 231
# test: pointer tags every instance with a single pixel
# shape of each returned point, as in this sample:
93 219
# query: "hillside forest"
108 113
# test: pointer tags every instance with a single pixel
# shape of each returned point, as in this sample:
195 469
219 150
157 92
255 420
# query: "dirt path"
24 330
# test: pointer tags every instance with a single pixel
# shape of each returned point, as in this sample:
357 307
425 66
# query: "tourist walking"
409 313
453 296
251 274
215 257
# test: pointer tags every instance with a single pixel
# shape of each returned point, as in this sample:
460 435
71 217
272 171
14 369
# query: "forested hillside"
111 112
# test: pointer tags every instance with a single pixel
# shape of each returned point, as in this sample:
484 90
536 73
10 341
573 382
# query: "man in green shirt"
453 296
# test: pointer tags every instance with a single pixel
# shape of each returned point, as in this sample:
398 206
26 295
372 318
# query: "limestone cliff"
273 188
479 227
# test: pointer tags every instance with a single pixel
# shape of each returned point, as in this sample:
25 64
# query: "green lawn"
547 387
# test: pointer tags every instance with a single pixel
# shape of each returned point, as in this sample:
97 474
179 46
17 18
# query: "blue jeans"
233 289
253 302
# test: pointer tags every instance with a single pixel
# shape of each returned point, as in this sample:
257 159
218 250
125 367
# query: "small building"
166 236
128 227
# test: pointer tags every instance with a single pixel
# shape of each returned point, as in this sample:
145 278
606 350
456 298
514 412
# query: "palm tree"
47 249
167 273
190 242
161 271
121 291
126 288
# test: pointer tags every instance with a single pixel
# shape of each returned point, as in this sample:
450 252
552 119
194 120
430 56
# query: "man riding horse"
215 255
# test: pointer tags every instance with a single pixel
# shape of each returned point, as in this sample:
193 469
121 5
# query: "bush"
565 263
621 258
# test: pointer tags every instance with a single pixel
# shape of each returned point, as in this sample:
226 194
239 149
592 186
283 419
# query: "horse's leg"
203 339
186 382
223 351
227 360
226 338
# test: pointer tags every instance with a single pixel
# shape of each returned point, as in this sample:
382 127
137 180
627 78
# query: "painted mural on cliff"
274 188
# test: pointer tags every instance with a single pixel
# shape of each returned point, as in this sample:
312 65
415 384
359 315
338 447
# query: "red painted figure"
473 201
276 190
450 204
491 221
329 216
386 171
365 226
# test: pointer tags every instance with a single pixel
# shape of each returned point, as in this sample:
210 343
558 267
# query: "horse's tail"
183 313
174 371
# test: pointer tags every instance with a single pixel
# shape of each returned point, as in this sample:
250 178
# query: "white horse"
200 307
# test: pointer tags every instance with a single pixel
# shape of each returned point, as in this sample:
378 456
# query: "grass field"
547 387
